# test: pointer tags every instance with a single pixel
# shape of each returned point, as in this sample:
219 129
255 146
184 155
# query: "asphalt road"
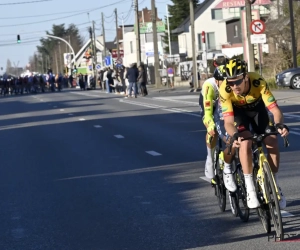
88 170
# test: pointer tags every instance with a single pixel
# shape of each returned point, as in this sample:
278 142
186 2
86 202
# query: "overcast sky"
31 18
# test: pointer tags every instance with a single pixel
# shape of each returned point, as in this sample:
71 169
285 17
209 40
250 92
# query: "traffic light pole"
61 39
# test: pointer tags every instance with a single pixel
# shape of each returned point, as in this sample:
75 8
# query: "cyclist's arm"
270 102
227 110
208 101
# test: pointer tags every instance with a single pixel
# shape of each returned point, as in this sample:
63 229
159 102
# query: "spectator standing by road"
132 76
142 81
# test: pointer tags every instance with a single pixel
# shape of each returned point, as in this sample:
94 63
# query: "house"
129 41
223 22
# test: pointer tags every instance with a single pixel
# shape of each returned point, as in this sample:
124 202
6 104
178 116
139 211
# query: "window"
211 41
131 47
236 12
200 42
216 14
236 31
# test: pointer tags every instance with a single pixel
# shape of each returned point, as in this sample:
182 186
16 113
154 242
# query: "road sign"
107 61
257 27
258 38
98 66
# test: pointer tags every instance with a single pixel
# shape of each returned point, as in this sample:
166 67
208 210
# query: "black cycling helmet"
218 74
234 68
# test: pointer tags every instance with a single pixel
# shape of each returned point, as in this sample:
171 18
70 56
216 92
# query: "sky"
31 18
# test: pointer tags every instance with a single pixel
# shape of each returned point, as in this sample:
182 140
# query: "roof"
198 11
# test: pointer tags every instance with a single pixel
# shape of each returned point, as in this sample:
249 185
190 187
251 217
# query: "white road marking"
295 133
119 136
81 119
174 110
70 114
41 100
153 153
172 99
205 179
97 126
61 110
143 104
284 214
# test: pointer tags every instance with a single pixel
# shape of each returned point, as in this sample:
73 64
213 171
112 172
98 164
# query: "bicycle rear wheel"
273 201
221 194
233 200
263 211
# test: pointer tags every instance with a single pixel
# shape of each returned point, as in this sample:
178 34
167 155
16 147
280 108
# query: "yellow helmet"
234 68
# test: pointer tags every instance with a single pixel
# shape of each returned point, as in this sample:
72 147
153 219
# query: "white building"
222 22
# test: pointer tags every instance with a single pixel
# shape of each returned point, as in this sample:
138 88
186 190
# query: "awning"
238 3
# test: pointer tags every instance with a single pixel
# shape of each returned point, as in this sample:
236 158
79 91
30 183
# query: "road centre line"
97 126
153 153
284 213
119 136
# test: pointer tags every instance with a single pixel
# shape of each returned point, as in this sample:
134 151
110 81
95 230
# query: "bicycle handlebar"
260 138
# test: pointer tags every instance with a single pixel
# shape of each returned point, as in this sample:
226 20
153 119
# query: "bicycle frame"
260 173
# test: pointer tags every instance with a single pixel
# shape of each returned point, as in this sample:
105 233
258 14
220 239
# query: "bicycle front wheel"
243 209
273 201
262 211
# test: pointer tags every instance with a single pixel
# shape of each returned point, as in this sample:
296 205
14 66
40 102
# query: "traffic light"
18 39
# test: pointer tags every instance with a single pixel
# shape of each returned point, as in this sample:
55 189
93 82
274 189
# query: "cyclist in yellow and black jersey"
212 119
244 97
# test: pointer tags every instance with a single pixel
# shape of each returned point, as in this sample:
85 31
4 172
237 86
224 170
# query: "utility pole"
248 11
95 50
169 37
59 57
294 46
155 46
117 37
137 32
195 71
103 34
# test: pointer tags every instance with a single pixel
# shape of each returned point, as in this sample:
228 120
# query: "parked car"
289 78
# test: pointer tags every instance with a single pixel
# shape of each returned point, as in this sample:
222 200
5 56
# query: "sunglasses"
237 82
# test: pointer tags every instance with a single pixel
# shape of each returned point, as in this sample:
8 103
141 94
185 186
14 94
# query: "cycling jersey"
211 108
259 91
208 100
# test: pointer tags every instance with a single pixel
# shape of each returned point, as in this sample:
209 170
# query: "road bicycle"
266 188
218 182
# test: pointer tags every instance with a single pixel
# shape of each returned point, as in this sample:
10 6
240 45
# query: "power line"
13 25
51 14
38 1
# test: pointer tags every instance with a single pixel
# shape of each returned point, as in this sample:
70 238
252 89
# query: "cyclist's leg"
243 119
227 171
210 146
